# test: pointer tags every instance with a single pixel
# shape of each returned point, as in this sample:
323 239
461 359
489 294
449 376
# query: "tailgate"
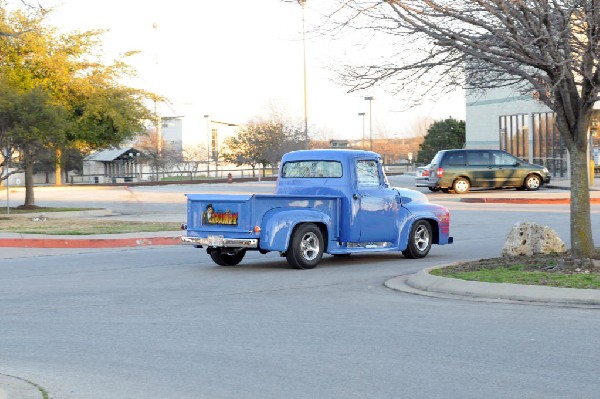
226 215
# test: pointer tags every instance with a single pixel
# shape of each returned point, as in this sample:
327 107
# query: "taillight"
440 172
425 173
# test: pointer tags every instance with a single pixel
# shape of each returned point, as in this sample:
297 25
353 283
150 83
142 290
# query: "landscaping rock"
527 239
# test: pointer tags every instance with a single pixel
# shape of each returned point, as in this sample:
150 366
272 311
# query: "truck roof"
328 154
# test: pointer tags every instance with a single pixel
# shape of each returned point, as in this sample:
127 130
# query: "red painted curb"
524 200
87 242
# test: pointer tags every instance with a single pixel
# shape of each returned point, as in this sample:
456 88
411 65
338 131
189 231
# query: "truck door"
377 204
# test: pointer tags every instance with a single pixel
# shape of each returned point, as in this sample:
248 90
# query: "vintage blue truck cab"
337 202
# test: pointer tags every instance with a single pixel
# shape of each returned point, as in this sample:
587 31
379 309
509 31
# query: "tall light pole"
302 3
370 100
207 117
215 141
363 128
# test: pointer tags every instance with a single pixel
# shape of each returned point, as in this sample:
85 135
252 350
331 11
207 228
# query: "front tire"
461 185
532 183
306 247
227 257
419 241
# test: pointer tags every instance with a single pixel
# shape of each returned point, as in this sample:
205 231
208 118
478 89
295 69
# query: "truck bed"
238 215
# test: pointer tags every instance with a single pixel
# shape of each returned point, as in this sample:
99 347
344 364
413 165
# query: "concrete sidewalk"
17 388
424 283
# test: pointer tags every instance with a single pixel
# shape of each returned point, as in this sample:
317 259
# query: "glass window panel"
367 173
305 169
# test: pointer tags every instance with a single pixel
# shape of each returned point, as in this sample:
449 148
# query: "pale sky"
230 58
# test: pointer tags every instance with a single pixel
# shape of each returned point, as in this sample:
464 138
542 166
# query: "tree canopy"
442 135
263 142
97 110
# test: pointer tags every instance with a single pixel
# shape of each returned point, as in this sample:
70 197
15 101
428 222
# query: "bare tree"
550 47
420 125
160 156
193 157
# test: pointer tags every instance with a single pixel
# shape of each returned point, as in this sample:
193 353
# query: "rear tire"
419 241
434 189
227 256
461 185
306 247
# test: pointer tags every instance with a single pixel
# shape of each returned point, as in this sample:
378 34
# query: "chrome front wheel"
419 241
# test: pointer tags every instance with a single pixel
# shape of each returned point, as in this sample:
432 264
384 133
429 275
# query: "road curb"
548 201
426 282
87 242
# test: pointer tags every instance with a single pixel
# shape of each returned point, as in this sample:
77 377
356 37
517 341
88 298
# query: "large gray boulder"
527 239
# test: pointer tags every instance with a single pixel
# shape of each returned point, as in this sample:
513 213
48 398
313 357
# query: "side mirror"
516 163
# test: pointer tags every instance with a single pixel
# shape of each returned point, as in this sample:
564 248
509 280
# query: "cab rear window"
318 169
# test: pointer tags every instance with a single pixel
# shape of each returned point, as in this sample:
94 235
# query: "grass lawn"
30 222
555 270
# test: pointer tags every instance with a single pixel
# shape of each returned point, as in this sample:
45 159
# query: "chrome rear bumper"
226 242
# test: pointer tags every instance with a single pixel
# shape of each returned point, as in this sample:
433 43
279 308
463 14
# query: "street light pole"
207 117
363 128
370 99
302 4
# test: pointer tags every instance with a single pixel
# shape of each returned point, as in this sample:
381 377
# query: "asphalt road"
166 322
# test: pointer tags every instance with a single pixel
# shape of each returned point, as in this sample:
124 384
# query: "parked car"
422 176
459 170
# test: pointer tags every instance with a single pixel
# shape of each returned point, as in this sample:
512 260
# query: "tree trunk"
582 244
29 198
58 168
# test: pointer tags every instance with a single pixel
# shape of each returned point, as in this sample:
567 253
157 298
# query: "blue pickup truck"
337 202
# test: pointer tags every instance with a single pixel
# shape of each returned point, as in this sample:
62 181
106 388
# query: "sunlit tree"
100 111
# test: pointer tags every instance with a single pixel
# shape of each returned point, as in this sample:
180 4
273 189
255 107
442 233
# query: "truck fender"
277 226
405 231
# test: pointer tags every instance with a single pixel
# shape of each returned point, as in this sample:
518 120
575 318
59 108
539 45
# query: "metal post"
363 128
370 99
302 3
208 132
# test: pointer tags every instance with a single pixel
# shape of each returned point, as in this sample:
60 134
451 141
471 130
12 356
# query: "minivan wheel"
461 185
532 182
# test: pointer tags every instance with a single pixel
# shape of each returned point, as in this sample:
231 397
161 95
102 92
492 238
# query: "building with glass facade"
522 126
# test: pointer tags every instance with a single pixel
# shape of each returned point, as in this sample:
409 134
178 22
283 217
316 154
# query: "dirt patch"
552 263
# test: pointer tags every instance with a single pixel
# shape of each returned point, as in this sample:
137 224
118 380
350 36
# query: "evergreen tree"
442 135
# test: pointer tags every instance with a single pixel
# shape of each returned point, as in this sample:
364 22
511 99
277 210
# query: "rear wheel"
306 247
227 256
532 182
434 189
419 241
461 185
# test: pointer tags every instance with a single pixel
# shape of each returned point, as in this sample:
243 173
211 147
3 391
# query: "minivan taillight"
440 172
